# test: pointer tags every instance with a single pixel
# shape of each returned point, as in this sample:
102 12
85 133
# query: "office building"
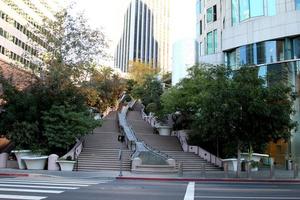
263 33
20 24
145 36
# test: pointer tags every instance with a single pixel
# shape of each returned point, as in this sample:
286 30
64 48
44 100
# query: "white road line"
244 189
38 186
54 181
34 183
190 191
4 196
223 197
31 190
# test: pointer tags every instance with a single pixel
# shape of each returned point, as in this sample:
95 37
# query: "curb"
211 180
24 175
14 174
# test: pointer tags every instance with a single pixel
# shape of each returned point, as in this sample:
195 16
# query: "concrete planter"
19 154
3 160
52 164
231 163
66 165
35 162
164 130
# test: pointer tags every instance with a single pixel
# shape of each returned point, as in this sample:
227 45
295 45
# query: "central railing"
143 151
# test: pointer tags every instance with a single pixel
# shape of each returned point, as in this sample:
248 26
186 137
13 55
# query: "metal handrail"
141 146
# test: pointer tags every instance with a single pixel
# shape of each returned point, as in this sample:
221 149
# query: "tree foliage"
138 71
234 108
103 89
53 110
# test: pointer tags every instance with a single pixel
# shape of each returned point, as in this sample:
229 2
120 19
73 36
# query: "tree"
138 71
43 109
233 107
149 92
103 89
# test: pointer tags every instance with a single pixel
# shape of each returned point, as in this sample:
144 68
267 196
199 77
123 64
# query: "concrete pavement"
262 175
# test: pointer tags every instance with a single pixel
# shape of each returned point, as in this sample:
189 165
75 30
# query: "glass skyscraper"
145 36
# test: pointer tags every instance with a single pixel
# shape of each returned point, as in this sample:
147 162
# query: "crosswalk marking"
19 187
5 196
190 191
41 187
31 190
55 181
58 184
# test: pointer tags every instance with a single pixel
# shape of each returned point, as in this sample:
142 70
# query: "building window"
209 15
199 6
235 11
296 45
215 40
244 10
271 7
297 2
211 44
256 8
212 14
200 27
215 13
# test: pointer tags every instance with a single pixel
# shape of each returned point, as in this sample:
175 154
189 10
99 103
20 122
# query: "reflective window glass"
210 46
271 7
280 50
215 40
270 49
260 49
244 10
231 58
235 11
297 2
256 8
209 15
296 44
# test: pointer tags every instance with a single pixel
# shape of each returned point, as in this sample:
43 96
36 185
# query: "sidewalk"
262 175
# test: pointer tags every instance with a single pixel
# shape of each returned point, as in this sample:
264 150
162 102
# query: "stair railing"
202 153
140 147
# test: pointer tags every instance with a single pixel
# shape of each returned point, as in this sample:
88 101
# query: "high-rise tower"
18 21
145 36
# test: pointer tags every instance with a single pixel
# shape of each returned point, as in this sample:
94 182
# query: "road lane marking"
38 186
55 181
190 191
4 196
244 189
37 183
231 197
31 190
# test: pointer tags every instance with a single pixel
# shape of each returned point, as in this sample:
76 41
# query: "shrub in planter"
62 125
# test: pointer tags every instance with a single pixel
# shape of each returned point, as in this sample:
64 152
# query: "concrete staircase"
101 149
167 144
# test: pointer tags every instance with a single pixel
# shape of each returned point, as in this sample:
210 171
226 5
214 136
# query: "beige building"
145 36
20 21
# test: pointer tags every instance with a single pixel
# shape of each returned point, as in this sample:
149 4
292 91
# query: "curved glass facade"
245 9
266 52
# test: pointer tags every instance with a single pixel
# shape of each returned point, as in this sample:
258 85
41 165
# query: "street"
54 188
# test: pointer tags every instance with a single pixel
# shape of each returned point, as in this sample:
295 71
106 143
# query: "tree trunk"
238 171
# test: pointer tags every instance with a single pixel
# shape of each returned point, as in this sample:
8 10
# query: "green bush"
24 135
62 125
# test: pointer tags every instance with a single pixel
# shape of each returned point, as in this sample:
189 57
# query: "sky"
108 15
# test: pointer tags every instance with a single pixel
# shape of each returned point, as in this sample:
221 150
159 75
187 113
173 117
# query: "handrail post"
203 170
180 169
296 170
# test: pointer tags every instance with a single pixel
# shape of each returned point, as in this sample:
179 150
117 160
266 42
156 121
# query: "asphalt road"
110 189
